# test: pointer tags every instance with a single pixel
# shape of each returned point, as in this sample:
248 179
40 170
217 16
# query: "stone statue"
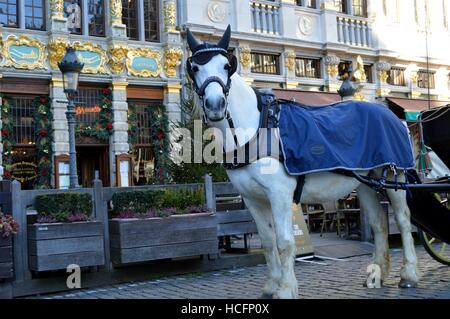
73 12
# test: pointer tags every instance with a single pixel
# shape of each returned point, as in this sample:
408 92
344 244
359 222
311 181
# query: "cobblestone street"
336 279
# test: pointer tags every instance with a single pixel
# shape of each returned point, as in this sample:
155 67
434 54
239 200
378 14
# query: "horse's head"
211 71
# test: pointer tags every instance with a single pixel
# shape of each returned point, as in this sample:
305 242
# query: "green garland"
159 126
43 118
132 126
104 128
7 137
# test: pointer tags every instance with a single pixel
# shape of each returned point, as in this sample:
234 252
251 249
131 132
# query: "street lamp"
70 68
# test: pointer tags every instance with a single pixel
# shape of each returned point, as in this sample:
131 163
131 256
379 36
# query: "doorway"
92 162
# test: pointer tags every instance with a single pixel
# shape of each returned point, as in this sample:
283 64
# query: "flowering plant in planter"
8 226
63 207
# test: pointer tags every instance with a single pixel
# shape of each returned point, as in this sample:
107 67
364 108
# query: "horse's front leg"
262 214
281 202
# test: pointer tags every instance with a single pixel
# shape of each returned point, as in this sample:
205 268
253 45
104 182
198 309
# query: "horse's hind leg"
410 271
262 214
370 203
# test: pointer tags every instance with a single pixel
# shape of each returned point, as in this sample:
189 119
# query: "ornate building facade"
303 47
129 88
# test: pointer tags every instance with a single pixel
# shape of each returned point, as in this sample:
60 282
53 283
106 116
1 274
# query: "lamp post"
70 68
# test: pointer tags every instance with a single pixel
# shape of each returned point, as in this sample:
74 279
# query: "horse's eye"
227 66
195 68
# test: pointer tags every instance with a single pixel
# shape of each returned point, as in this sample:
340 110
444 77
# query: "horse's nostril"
222 102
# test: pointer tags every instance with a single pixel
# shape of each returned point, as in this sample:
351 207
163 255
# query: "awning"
308 97
409 109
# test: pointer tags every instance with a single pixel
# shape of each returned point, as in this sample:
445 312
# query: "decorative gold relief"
383 76
383 92
24 53
290 60
332 70
359 75
92 55
245 56
414 77
117 56
170 16
57 8
144 62
359 96
116 12
56 50
172 59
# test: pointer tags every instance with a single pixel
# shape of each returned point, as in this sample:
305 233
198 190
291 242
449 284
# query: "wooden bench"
233 218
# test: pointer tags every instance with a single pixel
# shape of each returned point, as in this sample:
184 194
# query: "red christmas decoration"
106 91
5 132
43 132
43 100
160 135
7 174
109 126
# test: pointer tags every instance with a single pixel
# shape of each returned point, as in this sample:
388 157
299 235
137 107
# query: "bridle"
232 66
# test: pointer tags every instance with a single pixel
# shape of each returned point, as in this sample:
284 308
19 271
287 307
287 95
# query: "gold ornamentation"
245 56
359 96
383 76
39 58
57 8
116 12
290 60
332 70
117 56
359 75
172 59
147 53
170 16
91 47
383 92
414 77
56 51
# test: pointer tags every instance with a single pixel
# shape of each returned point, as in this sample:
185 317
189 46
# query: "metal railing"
265 17
353 31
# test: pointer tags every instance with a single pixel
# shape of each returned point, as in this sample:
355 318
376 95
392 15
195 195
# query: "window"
151 20
307 3
8 13
88 112
34 14
96 17
368 72
265 63
424 77
307 68
343 68
129 18
22 111
341 6
72 11
359 8
396 76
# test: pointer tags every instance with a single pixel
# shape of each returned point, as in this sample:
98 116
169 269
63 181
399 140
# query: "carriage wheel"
439 250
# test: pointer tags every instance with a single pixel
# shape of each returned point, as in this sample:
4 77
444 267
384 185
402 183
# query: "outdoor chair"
330 216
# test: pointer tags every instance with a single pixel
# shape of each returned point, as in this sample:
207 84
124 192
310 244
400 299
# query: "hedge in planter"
8 227
65 233
168 224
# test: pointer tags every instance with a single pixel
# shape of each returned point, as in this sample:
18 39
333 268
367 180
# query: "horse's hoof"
266 295
405 283
365 283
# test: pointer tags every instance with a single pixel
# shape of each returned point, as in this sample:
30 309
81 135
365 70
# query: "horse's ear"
225 41
233 65
192 41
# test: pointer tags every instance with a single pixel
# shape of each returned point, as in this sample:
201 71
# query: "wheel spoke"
444 245
431 240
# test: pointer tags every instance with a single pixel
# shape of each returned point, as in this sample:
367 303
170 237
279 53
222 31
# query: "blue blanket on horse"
349 135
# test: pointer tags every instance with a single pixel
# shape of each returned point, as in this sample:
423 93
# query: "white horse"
269 197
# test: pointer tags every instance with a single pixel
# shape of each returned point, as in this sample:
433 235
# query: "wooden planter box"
6 257
137 240
236 222
55 246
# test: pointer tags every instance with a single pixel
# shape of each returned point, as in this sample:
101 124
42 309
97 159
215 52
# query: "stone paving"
336 279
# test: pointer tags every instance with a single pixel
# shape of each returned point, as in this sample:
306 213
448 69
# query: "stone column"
331 75
329 22
57 20
288 19
243 15
289 62
245 61
382 75
59 108
118 143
